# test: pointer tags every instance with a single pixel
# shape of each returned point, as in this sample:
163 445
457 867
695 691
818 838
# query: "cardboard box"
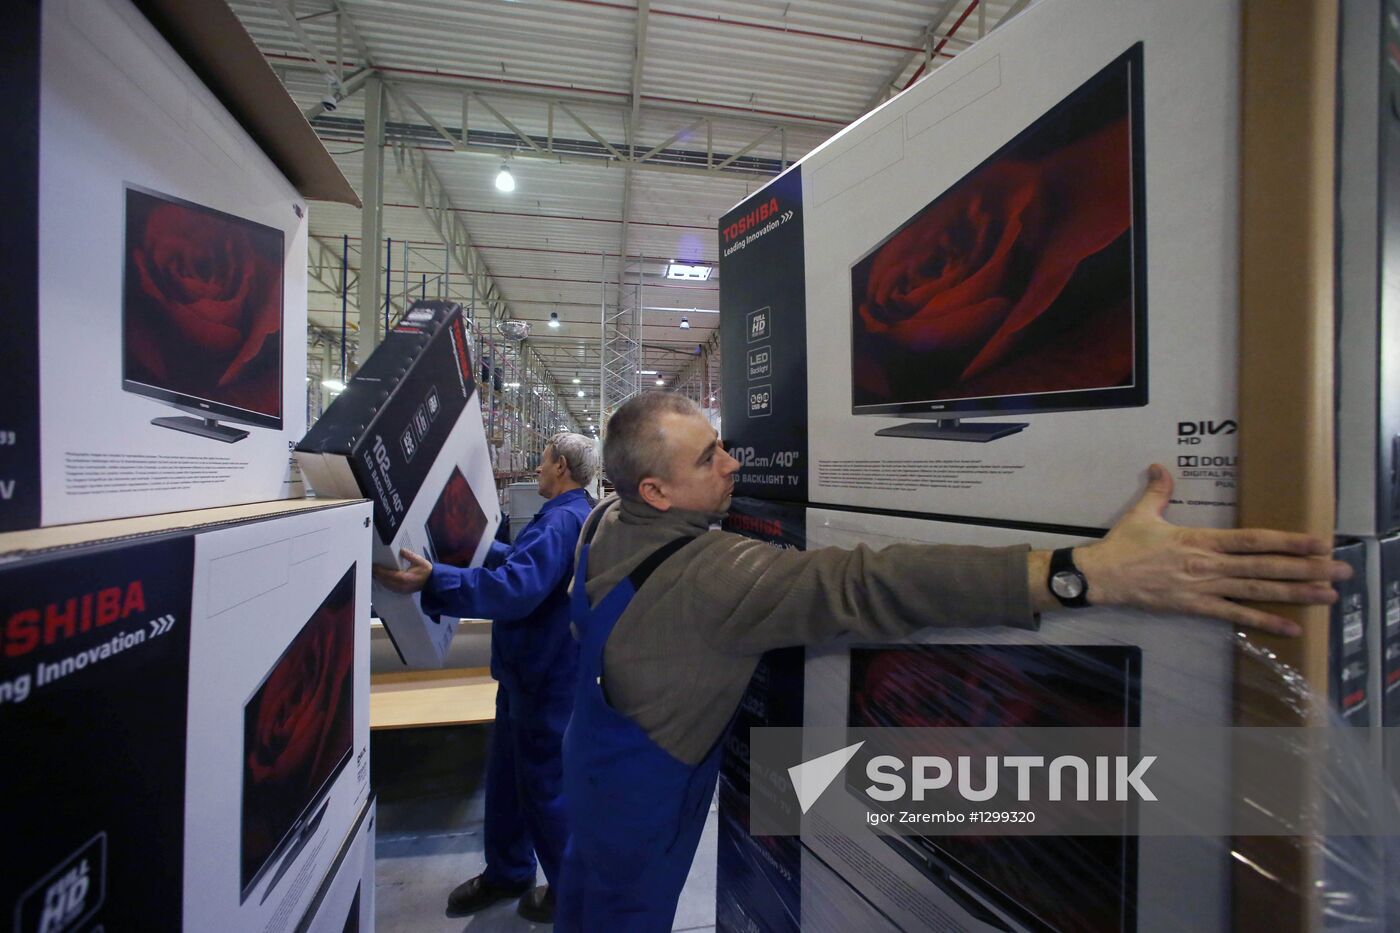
523 501
345 903
1042 233
1348 644
758 879
1368 274
185 704
156 266
1153 672
407 434
1389 618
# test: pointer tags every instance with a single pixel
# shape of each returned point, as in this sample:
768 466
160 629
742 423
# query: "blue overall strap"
647 567
635 811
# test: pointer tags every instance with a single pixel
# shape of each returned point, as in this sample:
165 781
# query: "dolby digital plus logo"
1196 462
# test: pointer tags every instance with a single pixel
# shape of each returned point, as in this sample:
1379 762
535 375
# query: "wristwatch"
1067 583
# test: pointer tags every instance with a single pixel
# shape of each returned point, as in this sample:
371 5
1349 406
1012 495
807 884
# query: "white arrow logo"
811 778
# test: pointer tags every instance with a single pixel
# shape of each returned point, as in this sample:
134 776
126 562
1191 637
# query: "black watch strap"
1067 583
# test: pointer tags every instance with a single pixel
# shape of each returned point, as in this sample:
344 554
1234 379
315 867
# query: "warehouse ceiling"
629 128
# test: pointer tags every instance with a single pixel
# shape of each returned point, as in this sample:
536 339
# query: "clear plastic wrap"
1289 814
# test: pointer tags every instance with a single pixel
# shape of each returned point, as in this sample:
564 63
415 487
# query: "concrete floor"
429 784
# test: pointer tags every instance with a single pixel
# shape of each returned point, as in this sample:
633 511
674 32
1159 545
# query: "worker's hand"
1147 562
409 580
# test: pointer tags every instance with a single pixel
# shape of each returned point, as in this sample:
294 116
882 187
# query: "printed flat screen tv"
202 322
1066 884
456 523
1022 287
298 734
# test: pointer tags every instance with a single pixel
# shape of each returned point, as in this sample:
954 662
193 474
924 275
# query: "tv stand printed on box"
204 427
952 429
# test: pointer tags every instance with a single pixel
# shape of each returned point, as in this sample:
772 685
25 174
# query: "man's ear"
653 495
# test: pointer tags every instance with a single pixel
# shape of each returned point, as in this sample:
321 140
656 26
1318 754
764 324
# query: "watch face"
1067 584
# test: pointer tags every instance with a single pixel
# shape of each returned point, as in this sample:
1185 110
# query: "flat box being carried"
407 434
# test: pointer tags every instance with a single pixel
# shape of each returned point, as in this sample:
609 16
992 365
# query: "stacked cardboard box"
759 878
186 703
1368 354
144 174
184 677
975 316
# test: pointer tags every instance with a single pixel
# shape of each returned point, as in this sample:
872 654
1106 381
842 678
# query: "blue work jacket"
523 588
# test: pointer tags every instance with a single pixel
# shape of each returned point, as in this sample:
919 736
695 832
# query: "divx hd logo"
1105 777
69 894
1192 432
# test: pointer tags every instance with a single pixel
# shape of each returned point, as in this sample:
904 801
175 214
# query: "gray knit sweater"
678 660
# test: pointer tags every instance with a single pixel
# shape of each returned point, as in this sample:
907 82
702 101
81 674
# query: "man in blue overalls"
523 588
672 617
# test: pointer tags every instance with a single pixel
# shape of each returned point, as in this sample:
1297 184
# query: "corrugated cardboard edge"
17 545
212 41
1288 133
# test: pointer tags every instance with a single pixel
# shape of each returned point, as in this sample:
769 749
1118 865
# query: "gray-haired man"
523 588
676 616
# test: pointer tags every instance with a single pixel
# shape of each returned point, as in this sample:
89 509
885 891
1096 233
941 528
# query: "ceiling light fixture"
512 385
685 323
554 320
660 382
577 380
691 272
580 393
335 385
505 181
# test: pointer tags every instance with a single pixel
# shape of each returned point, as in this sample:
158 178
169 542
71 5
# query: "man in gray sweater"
674 616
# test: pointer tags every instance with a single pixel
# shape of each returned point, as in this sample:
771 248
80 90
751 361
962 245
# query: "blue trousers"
525 816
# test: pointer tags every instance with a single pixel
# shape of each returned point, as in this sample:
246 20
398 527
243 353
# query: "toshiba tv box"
1388 621
1088 669
1006 291
155 276
758 878
185 704
407 434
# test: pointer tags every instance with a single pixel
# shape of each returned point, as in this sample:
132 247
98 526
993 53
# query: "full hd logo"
758 324
69 895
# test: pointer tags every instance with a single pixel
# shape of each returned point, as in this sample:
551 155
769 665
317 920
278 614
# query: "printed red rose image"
202 304
987 686
1017 279
1001 686
456 523
298 726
